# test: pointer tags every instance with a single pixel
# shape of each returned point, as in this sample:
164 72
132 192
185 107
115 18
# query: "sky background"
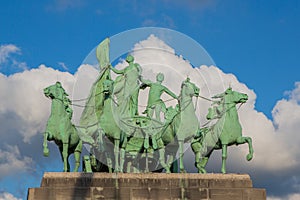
255 41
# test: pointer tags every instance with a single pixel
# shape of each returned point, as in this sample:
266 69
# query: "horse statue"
225 132
60 128
187 122
109 123
104 128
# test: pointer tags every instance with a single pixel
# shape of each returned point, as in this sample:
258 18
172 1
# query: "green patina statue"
155 103
127 84
125 141
225 132
59 127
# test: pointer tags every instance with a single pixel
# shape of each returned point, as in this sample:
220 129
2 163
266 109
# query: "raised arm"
145 83
117 71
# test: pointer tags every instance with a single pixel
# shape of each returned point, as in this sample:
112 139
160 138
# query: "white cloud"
7 58
63 65
6 51
287 197
276 148
22 94
155 56
8 196
13 162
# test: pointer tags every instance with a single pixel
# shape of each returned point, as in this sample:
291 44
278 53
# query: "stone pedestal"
90 186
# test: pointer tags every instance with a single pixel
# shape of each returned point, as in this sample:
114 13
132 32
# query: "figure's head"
58 84
160 77
129 59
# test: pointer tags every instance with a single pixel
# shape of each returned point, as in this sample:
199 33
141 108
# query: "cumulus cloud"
276 152
8 60
6 50
276 160
13 162
8 196
22 94
24 111
287 197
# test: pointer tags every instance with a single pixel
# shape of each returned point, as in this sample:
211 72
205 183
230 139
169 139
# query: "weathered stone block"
145 186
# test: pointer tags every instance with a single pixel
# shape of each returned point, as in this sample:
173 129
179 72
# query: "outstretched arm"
145 81
166 90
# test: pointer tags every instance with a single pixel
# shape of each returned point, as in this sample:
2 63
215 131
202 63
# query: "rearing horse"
59 127
225 132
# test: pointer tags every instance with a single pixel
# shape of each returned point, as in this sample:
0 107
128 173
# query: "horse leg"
129 163
109 161
65 157
77 154
116 153
181 165
162 160
122 153
171 163
45 144
224 157
243 140
174 166
200 162
170 160
100 143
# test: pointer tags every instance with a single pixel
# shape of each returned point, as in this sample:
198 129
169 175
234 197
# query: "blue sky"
257 41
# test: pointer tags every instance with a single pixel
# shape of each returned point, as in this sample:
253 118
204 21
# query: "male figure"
154 101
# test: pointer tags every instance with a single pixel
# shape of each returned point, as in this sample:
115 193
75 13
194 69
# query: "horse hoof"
249 157
46 152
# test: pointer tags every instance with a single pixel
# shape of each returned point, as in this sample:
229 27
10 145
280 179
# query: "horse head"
55 91
108 87
188 88
235 97
227 98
